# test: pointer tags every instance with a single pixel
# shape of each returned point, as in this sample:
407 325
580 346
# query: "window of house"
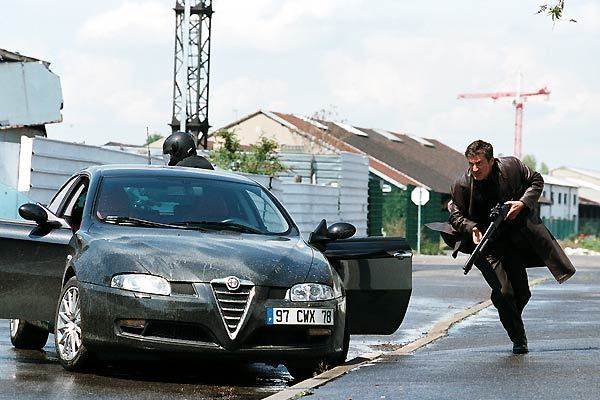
574 199
559 196
552 197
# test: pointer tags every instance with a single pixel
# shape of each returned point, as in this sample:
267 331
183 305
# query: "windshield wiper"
119 219
220 224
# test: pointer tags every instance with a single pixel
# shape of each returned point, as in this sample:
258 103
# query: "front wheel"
25 335
308 369
72 354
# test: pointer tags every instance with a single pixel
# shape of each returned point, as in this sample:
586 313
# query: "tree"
555 11
153 138
329 113
530 161
229 156
261 159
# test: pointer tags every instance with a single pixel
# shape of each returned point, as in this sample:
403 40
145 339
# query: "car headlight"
142 283
310 292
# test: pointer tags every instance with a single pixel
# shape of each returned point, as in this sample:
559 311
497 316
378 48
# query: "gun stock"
497 215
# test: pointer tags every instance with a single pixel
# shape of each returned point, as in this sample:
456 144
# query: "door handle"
401 255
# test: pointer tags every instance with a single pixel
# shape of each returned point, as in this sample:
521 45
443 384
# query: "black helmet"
179 145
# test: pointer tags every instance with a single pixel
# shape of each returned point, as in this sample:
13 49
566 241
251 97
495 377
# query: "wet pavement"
28 374
475 361
439 291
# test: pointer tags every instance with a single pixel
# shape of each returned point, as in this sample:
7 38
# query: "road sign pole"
419 196
419 230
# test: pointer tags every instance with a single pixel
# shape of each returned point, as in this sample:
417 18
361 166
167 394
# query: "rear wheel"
72 353
25 335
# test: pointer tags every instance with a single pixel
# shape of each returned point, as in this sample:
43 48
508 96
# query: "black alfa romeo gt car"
187 261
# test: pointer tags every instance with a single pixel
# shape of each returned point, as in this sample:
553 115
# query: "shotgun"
497 215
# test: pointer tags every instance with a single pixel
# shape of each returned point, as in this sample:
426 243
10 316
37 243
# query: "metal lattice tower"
191 68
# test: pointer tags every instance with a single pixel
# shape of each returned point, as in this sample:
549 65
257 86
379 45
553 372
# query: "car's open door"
32 262
377 276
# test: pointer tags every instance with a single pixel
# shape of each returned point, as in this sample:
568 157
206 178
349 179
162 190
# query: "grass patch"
590 242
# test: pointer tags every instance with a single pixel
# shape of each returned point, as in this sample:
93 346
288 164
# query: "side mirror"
341 230
320 234
33 212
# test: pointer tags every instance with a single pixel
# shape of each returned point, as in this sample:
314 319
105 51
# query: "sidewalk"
475 360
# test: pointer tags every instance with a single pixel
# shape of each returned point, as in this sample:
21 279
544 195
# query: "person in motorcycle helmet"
182 149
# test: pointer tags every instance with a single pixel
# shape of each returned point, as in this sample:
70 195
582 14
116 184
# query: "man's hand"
515 209
477 235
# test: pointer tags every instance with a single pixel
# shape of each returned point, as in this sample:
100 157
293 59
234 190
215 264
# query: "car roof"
163 170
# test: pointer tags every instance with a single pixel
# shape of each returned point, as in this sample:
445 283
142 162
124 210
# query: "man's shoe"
520 347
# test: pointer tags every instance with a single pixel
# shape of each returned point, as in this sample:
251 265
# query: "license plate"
299 316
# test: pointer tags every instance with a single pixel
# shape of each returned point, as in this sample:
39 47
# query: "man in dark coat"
521 241
182 149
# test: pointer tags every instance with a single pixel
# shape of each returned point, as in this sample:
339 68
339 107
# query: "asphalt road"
474 361
439 291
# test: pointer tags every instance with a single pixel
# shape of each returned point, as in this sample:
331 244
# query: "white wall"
566 208
30 95
340 195
9 163
354 191
45 164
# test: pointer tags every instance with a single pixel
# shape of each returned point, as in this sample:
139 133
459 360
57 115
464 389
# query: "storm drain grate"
233 304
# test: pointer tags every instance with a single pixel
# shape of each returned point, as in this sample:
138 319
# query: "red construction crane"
519 99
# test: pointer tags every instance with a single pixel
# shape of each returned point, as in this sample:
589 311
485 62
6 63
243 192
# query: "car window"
58 198
73 211
176 200
269 214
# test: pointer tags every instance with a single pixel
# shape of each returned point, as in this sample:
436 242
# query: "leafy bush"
261 159
395 227
590 243
432 248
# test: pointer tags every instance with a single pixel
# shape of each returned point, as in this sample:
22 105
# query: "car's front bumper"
192 324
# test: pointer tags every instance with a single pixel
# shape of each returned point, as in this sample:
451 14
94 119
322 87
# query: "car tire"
72 353
305 369
25 335
308 369
340 358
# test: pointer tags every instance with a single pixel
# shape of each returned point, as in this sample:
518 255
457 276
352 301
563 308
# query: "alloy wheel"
68 325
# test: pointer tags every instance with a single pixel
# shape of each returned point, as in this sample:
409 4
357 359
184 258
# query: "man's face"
480 167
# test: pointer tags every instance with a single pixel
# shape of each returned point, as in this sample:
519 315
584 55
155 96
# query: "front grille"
233 304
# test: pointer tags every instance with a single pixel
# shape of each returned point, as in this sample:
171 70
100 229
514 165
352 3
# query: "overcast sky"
396 65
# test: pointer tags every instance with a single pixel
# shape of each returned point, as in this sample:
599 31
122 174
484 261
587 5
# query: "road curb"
437 331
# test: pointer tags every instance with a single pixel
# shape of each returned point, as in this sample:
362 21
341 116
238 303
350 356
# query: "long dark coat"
195 161
516 182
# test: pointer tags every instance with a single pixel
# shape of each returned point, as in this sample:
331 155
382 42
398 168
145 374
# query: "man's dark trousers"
507 277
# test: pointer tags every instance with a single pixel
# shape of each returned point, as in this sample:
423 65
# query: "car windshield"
190 203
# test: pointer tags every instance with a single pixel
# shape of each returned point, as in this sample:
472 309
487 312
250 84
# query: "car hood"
193 256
